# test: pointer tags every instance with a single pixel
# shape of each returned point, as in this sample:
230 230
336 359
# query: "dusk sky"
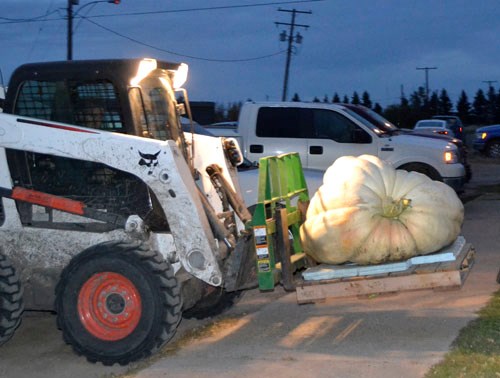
234 51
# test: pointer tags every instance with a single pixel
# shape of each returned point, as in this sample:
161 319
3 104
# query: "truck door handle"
256 148
316 150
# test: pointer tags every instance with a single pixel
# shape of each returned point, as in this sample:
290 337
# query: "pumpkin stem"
393 208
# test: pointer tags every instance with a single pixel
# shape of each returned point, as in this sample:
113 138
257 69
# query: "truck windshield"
372 119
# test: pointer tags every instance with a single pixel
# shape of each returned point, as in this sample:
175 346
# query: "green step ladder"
281 205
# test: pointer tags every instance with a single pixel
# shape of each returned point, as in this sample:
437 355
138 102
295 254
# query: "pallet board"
437 275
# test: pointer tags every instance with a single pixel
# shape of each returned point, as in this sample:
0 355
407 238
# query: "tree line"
483 110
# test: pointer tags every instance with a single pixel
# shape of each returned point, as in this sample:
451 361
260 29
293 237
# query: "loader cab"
130 96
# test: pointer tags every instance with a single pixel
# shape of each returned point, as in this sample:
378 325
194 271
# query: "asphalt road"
270 334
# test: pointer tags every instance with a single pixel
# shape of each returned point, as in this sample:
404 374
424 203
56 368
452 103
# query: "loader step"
447 269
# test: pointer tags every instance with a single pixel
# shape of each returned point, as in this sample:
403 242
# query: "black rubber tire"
493 149
423 168
214 304
157 287
11 300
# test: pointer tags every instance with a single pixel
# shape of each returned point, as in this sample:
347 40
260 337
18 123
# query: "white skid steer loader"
119 234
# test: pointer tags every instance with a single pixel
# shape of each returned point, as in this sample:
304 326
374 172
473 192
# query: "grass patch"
476 351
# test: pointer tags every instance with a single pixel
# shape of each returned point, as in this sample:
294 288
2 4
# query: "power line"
179 54
44 19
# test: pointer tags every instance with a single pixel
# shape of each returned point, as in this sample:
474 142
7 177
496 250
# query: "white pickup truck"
322 132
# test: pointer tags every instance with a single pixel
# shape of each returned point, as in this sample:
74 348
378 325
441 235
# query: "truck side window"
282 123
332 125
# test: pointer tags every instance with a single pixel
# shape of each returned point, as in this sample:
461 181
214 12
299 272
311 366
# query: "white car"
437 126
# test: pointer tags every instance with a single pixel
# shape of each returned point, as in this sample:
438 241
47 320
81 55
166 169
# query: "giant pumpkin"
367 212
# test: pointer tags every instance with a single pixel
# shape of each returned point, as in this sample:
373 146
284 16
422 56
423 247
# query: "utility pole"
291 39
489 82
70 29
426 69
70 21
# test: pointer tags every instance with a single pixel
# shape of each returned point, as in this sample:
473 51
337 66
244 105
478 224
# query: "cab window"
92 104
283 122
332 125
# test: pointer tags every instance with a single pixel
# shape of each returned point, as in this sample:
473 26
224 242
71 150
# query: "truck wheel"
11 300
422 168
117 302
493 149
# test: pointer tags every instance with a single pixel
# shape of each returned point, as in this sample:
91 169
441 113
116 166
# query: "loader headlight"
180 75
233 151
145 67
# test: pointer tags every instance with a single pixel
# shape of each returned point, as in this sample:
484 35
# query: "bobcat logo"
149 160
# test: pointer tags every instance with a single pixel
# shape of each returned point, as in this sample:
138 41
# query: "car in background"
454 124
437 126
487 141
387 127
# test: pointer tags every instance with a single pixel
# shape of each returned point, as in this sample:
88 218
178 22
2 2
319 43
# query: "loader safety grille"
98 186
92 104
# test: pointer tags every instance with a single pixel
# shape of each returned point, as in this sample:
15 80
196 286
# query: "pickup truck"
487 141
322 132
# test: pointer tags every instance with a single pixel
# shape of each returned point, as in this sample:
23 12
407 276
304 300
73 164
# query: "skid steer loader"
110 215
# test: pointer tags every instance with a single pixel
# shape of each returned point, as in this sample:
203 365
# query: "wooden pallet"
441 275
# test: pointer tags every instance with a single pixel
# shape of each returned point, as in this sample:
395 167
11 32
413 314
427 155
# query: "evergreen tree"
407 113
335 98
445 104
234 111
355 99
325 99
345 99
316 99
417 100
419 105
480 108
497 107
492 101
433 104
365 100
463 107
393 114
220 113
378 108
296 98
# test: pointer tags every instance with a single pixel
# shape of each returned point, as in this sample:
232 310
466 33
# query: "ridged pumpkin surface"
367 212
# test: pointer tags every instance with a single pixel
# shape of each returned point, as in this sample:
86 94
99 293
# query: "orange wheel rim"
109 306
